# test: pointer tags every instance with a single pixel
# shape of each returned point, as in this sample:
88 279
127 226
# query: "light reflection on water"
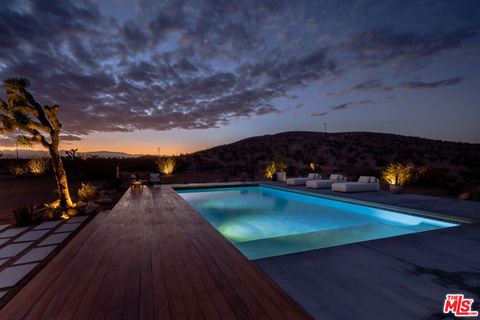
264 222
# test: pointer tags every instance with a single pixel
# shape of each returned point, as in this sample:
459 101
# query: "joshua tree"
72 153
38 124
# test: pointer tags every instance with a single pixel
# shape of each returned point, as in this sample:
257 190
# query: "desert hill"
352 153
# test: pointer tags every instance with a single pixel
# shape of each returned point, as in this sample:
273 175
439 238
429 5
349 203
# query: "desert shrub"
87 192
23 215
398 173
273 167
166 165
269 170
18 170
432 177
38 166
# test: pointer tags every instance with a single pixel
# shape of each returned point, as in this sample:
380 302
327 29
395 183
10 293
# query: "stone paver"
68 227
47 225
12 250
12 275
12 232
31 235
77 219
55 238
36 254
4 240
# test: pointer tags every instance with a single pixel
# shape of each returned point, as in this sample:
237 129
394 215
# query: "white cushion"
364 179
319 184
354 187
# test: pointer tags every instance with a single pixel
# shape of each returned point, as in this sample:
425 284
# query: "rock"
104 200
91 207
49 214
72 212
464 196
81 204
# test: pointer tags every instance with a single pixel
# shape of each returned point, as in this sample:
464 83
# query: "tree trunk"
61 177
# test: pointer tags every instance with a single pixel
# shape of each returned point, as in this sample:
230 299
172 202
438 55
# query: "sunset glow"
137 76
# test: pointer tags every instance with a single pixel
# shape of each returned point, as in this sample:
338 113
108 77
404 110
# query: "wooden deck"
151 257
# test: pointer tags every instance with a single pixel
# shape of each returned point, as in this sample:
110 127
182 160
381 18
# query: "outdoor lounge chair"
154 178
324 184
363 184
301 181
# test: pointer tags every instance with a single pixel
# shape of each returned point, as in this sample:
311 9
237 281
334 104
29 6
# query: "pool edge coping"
397 209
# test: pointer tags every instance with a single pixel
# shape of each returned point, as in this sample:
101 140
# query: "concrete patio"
404 277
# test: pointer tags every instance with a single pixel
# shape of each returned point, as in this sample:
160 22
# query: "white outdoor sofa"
154 178
364 183
301 181
325 184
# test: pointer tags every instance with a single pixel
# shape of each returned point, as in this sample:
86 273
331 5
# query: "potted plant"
397 174
280 168
273 169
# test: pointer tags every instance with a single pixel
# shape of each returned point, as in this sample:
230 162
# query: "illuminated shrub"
269 170
166 165
398 173
18 170
272 168
38 166
87 192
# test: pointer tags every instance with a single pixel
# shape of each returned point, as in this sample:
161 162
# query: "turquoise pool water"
264 222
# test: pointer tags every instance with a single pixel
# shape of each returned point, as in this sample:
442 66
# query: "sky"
138 75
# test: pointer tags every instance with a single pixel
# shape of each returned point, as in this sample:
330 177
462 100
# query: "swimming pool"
265 222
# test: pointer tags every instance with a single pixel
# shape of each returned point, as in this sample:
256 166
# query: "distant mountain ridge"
26 154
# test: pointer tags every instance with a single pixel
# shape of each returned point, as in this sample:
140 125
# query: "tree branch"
52 116
41 114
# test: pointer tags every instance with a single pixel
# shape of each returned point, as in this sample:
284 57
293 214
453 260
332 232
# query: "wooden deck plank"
151 257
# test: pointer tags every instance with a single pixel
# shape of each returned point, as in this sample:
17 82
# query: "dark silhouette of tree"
71 154
38 124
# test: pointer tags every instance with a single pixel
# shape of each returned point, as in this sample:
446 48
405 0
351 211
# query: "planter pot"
396 189
281 176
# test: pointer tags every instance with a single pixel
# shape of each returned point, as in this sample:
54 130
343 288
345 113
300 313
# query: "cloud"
372 85
377 85
7 142
431 85
175 66
368 85
69 137
320 114
354 104
399 49
349 105
179 64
